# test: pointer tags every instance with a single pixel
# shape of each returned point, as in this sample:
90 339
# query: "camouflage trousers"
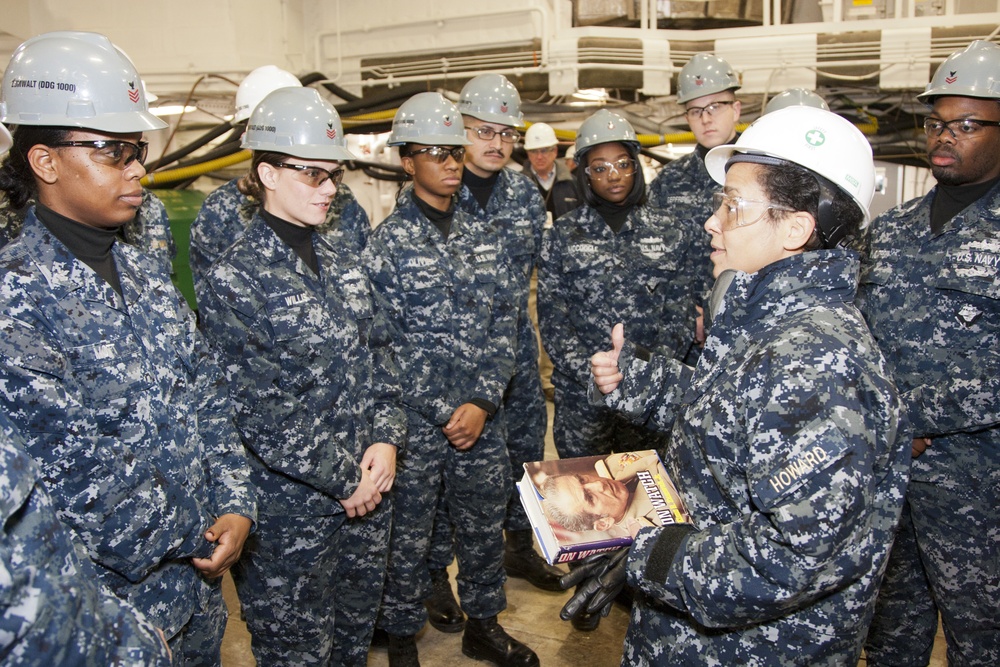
524 406
364 554
945 558
475 485
582 429
199 643
285 581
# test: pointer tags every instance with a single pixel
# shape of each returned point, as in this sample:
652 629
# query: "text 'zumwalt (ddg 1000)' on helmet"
74 79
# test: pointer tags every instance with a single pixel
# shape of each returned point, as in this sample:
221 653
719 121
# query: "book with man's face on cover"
586 505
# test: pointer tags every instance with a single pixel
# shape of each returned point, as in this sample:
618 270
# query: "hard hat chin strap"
831 231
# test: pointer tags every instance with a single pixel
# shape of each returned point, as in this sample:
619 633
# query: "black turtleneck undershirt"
299 239
481 188
440 219
614 214
90 245
950 200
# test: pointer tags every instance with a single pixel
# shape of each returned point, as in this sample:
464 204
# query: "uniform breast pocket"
429 296
112 377
298 322
974 288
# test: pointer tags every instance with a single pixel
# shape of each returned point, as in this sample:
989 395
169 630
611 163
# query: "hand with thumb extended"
604 365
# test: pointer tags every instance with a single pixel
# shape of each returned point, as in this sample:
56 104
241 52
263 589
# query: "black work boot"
403 651
443 611
484 639
521 561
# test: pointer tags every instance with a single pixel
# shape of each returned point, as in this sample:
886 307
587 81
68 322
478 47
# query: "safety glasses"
315 176
110 152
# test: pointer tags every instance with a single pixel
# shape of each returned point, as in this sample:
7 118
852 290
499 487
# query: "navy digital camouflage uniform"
517 214
683 189
933 303
452 312
51 612
790 448
149 230
121 403
589 279
227 212
313 384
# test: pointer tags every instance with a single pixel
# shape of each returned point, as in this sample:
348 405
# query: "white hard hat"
429 119
492 98
571 152
256 85
539 135
299 122
821 141
74 79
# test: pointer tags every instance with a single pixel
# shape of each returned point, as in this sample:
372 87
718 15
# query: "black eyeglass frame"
440 154
139 150
507 136
938 126
335 175
696 112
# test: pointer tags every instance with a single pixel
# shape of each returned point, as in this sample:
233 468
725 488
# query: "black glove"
601 578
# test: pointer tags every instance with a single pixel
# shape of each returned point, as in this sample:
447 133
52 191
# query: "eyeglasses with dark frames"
315 176
959 128
709 109
440 154
111 152
486 133
731 211
601 170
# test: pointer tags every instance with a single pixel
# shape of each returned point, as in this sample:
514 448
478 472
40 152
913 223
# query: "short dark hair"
796 187
636 196
17 179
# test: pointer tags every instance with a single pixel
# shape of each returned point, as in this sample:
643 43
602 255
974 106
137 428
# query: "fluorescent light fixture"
172 110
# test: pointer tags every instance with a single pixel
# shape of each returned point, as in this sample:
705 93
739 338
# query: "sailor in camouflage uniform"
51 611
149 230
315 391
227 212
119 399
929 293
788 440
442 279
706 87
491 110
612 260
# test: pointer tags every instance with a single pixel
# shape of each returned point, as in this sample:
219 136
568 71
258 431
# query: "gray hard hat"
796 97
429 119
492 98
74 79
971 72
705 74
602 127
299 122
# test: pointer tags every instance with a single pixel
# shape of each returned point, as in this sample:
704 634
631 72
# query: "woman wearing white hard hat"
788 440
289 312
119 397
